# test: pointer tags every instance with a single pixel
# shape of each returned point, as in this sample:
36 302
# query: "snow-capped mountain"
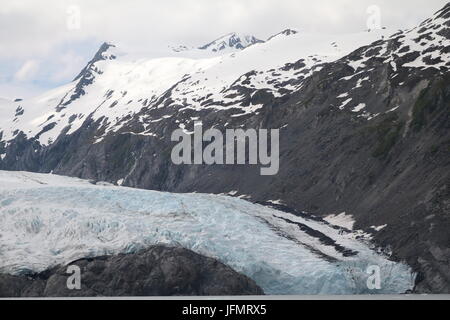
363 122
114 85
231 42
46 220
285 32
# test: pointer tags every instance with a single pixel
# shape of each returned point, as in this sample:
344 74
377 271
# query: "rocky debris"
156 271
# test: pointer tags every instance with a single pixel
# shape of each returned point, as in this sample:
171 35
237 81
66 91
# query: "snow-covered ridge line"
231 41
47 220
116 85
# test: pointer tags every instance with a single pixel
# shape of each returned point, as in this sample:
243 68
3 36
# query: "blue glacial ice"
46 220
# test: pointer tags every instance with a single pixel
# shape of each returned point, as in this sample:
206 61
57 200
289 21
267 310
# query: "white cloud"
61 37
30 27
67 66
27 71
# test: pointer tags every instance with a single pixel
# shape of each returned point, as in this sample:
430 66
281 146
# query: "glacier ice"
47 220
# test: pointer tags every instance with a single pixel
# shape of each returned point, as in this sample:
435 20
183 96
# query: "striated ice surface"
47 220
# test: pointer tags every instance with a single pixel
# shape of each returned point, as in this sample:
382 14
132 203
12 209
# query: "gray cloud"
45 31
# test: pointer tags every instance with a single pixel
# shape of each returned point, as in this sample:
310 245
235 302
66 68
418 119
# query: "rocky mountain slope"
364 122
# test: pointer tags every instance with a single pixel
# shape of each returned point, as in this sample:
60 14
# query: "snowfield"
47 220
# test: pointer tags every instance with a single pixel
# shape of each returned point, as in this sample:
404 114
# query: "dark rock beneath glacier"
157 271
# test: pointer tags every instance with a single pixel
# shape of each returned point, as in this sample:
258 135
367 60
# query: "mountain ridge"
231 40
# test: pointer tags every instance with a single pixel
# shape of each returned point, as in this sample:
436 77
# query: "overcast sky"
45 43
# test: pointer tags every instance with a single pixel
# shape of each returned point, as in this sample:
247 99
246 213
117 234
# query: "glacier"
48 220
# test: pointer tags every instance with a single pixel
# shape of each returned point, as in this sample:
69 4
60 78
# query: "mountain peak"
102 54
179 48
232 40
285 32
289 31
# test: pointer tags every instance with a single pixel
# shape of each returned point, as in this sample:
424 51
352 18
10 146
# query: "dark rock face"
157 271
